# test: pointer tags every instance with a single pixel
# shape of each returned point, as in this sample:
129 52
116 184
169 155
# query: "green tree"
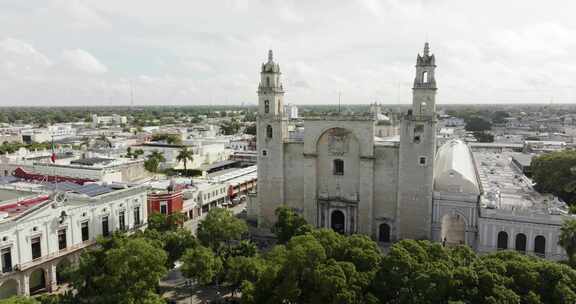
154 160
185 156
555 173
19 300
201 264
477 124
568 240
242 268
120 270
220 227
250 129
288 224
165 222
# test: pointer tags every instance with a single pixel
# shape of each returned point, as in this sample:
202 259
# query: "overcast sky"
189 52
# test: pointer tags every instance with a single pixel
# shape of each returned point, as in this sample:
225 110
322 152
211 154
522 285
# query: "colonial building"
340 172
44 228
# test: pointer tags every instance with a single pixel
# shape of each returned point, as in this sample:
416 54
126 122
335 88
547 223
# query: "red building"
165 202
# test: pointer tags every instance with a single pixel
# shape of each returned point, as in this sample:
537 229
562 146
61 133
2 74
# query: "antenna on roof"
339 101
131 94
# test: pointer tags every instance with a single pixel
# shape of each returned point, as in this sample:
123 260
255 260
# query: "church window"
264 152
267 81
269 131
502 240
266 106
417 139
338 167
425 77
384 233
540 245
521 242
422 161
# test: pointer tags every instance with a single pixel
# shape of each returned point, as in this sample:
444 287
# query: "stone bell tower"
271 132
417 152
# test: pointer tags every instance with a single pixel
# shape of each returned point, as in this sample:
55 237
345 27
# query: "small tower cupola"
270 89
425 66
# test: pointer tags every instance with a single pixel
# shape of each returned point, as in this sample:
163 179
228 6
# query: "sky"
194 52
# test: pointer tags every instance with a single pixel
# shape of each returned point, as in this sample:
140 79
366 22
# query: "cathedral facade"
339 172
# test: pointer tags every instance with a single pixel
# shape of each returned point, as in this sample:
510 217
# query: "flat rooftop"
506 188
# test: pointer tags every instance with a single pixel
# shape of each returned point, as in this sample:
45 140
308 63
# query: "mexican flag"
53 156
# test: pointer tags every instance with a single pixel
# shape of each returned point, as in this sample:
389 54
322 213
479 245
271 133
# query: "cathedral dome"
454 169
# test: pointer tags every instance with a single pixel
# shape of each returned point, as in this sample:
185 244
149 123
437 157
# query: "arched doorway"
37 280
8 289
384 233
540 245
337 221
453 230
521 242
63 271
502 240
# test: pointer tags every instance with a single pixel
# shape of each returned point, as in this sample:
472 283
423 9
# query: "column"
52 281
25 285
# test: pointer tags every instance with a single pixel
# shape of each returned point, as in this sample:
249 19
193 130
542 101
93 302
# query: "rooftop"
505 188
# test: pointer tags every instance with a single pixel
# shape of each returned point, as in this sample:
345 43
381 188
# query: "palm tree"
157 155
185 155
154 160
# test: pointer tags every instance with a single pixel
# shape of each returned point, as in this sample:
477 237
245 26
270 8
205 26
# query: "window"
105 227
6 260
338 167
425 77
164 207
36 249
422 161
264 152
266 106
122 220
267 81
502 240
268 131
62 239
540 245
521 242
85 232
136 215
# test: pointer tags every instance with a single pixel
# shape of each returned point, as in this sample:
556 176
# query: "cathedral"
340 173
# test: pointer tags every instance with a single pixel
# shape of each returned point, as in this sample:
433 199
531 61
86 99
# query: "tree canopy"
219 227
478 124
555 173
120 269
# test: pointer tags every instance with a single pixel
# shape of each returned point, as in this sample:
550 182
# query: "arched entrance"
37 280
502 240
521 242
540 245
384 233
8 289
63 271
337 220
453 230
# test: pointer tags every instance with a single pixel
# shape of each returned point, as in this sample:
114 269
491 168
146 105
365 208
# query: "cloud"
20 60
83 61
80 14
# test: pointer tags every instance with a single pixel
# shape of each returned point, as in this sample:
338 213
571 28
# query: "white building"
114 119
339 174
42 232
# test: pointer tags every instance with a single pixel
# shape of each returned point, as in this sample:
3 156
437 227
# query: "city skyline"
91 53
